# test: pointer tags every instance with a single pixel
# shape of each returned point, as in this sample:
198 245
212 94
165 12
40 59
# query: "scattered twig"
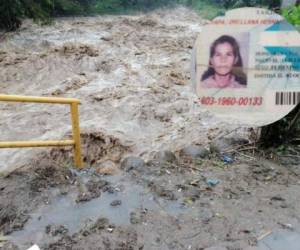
264 235
247 156
194 168
192 236
239 149
225 134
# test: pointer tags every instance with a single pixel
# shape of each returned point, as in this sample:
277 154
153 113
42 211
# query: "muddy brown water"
64 210
131 75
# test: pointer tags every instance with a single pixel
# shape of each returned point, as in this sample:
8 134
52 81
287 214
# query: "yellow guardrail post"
75 125
76 134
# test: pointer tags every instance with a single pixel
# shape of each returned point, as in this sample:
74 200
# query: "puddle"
280 239
63 210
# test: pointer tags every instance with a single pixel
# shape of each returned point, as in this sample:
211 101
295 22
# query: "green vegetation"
12 11
206 9
292 15
283 131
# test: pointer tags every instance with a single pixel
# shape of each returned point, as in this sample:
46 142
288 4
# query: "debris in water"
116 203
212 182
227 159
267 233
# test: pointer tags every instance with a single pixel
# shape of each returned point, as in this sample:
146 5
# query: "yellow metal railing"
75 125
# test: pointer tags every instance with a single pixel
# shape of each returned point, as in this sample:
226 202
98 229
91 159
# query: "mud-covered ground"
192 199
159 172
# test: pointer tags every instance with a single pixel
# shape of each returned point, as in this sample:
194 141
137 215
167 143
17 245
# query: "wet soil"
157 205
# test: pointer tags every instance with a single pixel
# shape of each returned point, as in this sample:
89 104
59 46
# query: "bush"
248 3
292 15
12 11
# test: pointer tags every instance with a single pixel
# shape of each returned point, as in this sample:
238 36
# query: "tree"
12 11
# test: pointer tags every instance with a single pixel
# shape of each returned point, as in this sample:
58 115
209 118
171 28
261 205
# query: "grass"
205 8
208 10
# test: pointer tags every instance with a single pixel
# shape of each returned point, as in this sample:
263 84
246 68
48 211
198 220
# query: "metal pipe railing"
53 100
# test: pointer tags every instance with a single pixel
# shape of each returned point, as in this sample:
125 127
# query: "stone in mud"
56 230
162 192
134 218
194 151
116 203
165 156
106 38
108 189
177 78
132 163
64 190
84 197
96 185
220 145
223 145
277 198
107 168
100 224
181 107
91 190
147 22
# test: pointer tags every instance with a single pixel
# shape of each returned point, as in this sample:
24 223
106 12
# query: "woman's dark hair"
237 70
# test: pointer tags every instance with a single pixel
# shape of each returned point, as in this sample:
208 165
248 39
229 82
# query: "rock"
212 182
48 229
109 189
224 144
116 203
147 22
84 197
64 190
95 186
134 218
177 78
107 168
132 163
91 190
181 107
162 192
194 151
100 224
162 114
165 156
56 230
106 38
220 145
277 198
